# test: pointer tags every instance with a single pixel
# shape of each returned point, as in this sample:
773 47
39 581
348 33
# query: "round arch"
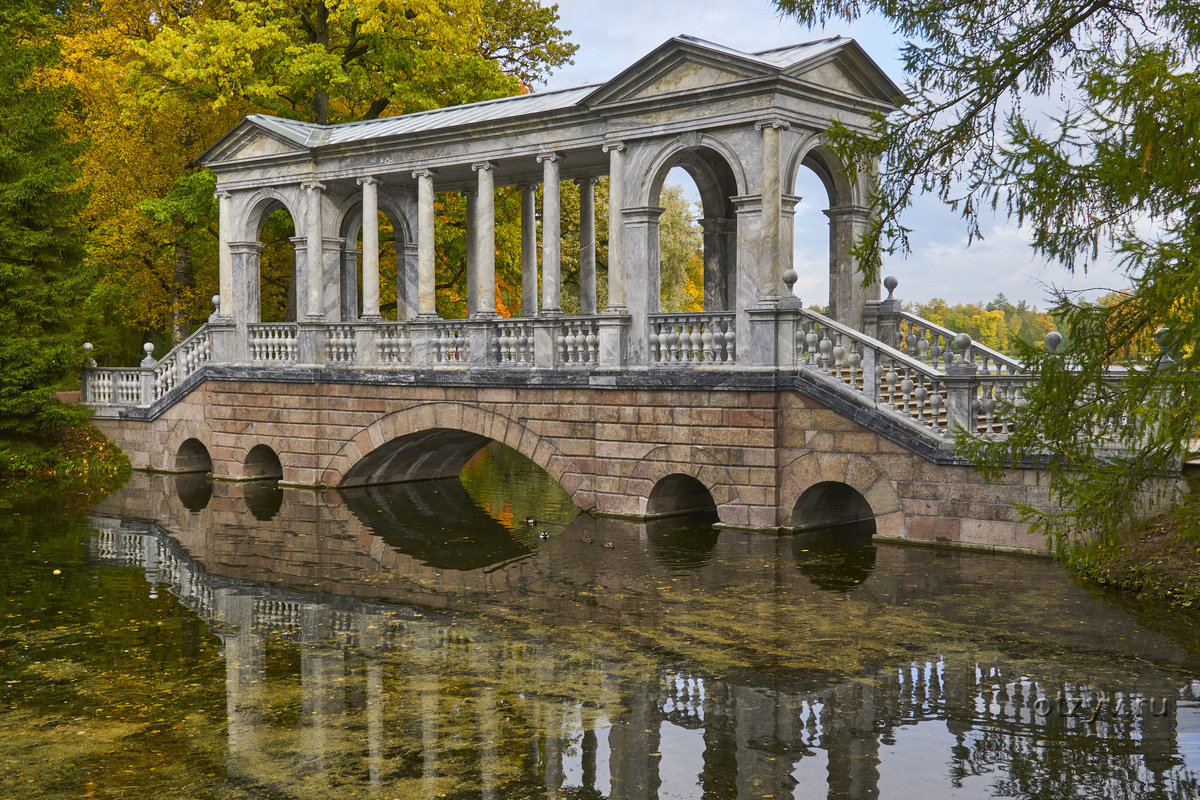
828 504
192 456
679 495
663 462
350 223
858 473
255 210
462 429
262 463
719 177
813 154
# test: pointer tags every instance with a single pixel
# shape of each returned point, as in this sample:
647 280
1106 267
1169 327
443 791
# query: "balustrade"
342 343
933 345
514 342
692 338
451 343
394 344
578 341
273 342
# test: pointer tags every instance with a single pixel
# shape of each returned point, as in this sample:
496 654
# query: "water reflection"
194 490
679 662
837 559
264 498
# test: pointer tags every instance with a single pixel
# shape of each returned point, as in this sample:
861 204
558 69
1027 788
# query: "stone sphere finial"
88 347
890 283
962 341
1053 340
148 347
216 301
789 278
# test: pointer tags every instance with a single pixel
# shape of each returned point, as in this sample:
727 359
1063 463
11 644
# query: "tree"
681 245
41 244
1112 172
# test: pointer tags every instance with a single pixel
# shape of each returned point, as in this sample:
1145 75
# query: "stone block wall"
755 450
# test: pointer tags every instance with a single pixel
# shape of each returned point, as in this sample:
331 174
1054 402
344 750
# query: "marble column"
846 293
772 205
224 257
370 248
426 290
472 252
587 245
616 226
485 240
719 253
349 287
551 235
315 246
529 282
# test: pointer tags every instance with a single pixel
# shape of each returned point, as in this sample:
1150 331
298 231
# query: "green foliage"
998 324
681 248
1113 172
41 283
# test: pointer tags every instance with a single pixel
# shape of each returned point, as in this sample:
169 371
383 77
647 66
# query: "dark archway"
678 495
424 455
262 464
831 503
193 456
717 186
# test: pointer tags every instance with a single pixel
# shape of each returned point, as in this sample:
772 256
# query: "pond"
480 638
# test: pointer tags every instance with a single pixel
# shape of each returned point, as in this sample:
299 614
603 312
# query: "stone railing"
275 342
940 400
514 343
933 344
184 360
700 337
113 387
577 341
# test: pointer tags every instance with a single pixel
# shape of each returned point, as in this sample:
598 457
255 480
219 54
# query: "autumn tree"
160 81
681 249
41 243
1079 119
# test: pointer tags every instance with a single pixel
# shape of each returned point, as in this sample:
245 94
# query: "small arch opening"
193 456
680 495
262 464
829 504
277 268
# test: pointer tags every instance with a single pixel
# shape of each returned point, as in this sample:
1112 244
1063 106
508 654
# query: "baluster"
919 394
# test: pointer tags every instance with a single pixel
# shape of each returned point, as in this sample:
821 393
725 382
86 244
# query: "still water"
192 640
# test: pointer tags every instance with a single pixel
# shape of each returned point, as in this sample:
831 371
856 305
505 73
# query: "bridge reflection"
575 681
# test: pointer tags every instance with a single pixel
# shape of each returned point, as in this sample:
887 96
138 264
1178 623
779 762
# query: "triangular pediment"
849 70
679 65
257 137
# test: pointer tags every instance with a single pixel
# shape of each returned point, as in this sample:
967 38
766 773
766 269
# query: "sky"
614 34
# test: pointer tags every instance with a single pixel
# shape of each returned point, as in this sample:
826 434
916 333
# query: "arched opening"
397 278
810 238
679 495
193 456
829 504
277 280
474 504
697 233
262 464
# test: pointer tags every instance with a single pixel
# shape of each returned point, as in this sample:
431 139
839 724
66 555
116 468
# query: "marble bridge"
767 411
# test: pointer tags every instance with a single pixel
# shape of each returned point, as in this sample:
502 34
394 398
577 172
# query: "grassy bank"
72 469
1158 561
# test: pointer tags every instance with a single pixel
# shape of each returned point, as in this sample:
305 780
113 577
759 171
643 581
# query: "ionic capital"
482 165
366 179
773 122
610 146
311 186
541 157
422 173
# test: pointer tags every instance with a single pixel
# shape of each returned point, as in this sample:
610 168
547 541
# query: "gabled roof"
688 60
681 64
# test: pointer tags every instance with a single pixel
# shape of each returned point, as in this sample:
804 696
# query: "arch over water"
262 463
193 456
679 495
831 503
435 440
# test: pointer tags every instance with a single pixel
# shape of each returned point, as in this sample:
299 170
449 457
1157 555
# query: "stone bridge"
770 412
